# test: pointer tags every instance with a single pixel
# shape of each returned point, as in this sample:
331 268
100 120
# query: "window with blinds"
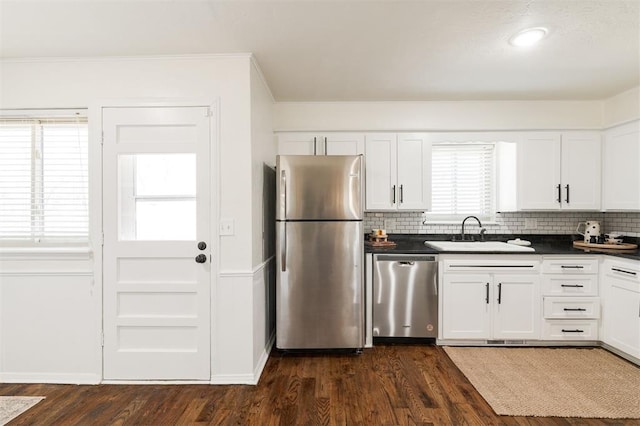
463 176
44 179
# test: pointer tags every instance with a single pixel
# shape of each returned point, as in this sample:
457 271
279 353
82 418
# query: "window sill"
45 253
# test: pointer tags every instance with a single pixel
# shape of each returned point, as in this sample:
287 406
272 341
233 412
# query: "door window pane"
165 174
157 197
158 219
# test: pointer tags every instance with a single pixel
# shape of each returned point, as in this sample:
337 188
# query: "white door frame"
96 237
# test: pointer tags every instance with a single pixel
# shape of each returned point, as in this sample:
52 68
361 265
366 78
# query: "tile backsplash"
507 223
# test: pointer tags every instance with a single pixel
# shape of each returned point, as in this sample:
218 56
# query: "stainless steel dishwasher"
405 296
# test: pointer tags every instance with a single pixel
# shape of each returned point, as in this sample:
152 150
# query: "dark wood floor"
387 385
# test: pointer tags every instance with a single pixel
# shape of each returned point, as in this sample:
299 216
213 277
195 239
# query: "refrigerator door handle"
283 191
283 247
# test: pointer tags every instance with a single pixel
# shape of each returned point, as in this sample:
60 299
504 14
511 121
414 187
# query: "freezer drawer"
405 296
319 187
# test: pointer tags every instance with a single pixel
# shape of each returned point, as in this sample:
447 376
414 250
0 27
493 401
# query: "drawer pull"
572 266
575 309
491 266
623 271
572 285
572 331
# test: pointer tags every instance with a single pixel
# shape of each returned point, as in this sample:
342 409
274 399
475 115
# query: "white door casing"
156 203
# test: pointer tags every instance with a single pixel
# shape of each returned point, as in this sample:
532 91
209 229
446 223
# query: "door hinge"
102 138
102 238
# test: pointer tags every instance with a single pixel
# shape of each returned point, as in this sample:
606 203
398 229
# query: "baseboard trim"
155 382
233 379
264 357
52 378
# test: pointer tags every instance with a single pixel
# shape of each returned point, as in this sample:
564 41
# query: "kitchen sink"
477 246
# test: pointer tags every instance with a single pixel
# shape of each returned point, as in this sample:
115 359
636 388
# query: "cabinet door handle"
487 296
401 194
393 191
575 309
567 188
315 146
572 285
326 153
499 293
559 187
571 266
577 330
623 271
283 245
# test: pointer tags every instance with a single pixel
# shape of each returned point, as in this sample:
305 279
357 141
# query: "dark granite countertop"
542 244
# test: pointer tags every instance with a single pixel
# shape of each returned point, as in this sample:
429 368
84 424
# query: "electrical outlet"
530 223
226 227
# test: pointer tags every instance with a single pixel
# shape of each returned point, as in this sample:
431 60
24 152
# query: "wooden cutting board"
380 243
621 246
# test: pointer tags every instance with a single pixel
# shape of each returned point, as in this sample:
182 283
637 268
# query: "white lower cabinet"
491 299
571 306
621 311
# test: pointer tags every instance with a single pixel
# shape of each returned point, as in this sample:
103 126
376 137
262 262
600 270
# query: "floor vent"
506 342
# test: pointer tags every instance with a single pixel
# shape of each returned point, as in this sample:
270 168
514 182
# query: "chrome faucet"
482 230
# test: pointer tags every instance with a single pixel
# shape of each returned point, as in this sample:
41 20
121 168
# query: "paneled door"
156 256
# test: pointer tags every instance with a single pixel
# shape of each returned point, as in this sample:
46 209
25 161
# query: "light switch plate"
227 227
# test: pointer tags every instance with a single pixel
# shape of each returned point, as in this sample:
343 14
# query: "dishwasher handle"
396 258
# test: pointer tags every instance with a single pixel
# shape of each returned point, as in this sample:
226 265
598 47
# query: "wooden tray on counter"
380 243
621 246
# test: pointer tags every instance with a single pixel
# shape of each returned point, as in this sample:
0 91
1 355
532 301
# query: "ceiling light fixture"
528 37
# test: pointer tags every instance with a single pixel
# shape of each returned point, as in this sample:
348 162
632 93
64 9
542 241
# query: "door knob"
201 258
202 245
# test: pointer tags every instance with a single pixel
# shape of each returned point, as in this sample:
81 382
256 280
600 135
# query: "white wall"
50 319
65 83
462 115
622 108
263 149
263 152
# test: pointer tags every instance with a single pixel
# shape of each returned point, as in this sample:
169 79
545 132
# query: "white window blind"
463 179
44 179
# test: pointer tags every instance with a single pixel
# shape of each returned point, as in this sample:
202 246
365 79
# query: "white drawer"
570 265
626 273
570 330
570 285
572 307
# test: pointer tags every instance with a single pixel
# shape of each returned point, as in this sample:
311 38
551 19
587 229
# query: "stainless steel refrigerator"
319 249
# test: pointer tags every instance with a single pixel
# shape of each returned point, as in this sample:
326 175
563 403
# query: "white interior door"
156 201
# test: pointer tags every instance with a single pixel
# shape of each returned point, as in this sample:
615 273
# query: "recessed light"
528 37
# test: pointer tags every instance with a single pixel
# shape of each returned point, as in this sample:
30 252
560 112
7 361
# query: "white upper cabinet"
398 171
343 144
320 144
621 174
380 170
559 171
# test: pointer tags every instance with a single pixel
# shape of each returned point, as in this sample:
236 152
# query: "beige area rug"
547 382
12 406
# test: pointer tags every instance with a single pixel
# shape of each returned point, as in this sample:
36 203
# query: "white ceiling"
358 50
